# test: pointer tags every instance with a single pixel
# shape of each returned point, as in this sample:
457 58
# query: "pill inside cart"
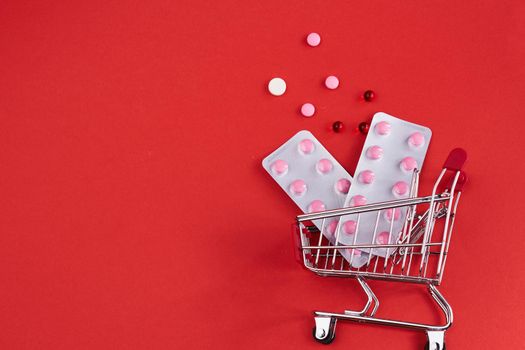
358 200
349 227
400 189
298 187
316 206
408 164
366 176
396 212
306 146
382 237
279 167
342 186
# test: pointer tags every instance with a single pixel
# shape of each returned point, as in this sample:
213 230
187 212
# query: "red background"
134 210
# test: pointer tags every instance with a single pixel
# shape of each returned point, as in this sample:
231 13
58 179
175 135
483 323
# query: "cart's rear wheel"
427 346
328 339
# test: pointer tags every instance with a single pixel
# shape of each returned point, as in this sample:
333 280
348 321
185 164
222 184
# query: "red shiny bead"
338 126
369 95
364 127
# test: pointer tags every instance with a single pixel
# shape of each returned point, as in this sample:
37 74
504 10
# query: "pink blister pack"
309 175
392 150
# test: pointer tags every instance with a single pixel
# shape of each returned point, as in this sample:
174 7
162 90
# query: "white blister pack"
310 176
392 150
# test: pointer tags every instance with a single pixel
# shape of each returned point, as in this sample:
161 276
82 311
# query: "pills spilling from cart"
313 39
277 86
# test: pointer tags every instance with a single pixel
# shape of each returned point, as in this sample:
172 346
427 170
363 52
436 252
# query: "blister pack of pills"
392 150
310 176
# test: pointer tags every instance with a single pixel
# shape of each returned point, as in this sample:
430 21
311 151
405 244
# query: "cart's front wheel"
324 330
435 346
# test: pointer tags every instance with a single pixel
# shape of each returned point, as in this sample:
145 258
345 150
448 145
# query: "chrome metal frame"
418 255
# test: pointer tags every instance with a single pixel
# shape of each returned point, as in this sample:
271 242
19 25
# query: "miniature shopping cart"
418 254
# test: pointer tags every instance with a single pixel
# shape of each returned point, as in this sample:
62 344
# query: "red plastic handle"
455 160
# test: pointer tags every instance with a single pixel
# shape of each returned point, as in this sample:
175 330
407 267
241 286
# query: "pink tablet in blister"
312 178
384 172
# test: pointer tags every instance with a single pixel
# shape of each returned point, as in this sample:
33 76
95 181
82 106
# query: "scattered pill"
416 139
279 167
358 200
331 82
349 227
338 126
313 39
307 109
369 95
383 128
342 186
366 177
324 166
400 189
277 86
374 152
306 146
408 164
316 206
388 214
382 237
363 128
298 187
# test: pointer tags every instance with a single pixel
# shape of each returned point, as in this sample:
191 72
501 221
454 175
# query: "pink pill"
331 82
355 251
366 177
400 189
408 164
382 238
306 146
298 187
349 227
279 167
374 152
342 186
416 139
313 39
388 214
307 109
331 227
316 206
383 128
324 166
358 200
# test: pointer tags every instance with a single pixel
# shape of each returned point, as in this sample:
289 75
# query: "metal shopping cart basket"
418 255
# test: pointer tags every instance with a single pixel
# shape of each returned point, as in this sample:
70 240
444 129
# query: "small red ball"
369 95
338 126
364 127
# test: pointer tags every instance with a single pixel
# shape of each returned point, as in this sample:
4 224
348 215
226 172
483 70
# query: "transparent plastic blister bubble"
392 150
309 175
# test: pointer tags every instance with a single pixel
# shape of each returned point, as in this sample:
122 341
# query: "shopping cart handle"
455 160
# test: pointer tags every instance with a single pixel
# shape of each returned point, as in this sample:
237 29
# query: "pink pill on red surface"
396 212
331 82
374 152
324 166
400 189
279 167
366 177
408 164
331 227
349 227
416 139
307 110
382 237
313 39
358 200
298 187
383 128
315 206
342 186
306 146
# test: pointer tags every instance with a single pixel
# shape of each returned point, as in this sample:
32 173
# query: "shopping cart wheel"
427 346
324 330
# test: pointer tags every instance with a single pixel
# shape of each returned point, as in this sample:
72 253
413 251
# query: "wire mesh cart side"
416 253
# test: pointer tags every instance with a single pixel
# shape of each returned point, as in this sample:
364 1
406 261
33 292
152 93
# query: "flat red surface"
135 213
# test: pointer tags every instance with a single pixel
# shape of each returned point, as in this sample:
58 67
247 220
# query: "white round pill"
277 86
